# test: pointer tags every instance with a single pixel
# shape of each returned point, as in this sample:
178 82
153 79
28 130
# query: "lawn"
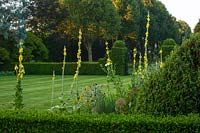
37 88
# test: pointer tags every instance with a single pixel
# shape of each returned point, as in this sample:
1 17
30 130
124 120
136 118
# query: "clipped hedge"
119 57
34 121
46 68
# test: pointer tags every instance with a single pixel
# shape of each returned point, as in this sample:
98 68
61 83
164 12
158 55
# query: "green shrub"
119 57
4 55
34 48
34 121
46 68
175 89
167 46
119 44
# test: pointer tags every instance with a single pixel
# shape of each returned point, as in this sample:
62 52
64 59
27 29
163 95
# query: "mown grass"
37 89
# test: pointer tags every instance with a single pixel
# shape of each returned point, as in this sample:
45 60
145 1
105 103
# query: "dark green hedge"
45 68
119 57
33 121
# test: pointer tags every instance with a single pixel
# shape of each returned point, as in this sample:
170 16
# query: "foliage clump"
119 56
167 46
175 89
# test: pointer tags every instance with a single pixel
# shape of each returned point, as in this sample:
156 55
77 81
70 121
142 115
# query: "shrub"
167 46
4 55
34 121
175 89
119 57
34 48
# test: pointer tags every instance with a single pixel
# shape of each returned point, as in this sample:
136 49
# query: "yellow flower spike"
78 55
64 51
160 51
87 88
21 43
80 32
161 65
134 56
146 42
108 62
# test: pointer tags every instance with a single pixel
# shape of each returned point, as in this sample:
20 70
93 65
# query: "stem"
52 92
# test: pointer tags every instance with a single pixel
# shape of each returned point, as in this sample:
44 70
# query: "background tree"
13 16
197 27
96 18
45 16
4 55
184 30
57 23
34 48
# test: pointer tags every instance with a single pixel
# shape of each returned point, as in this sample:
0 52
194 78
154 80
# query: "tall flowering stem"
109 67
161 62
134 59
78 66
134 73
139 71
52 89
146 43
18 102
108 61
63 69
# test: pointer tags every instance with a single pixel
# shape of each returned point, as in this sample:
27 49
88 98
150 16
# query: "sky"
187 10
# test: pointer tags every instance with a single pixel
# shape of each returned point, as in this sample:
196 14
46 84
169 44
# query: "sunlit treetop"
147 2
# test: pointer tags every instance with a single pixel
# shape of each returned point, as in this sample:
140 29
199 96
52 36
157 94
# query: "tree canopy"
57 22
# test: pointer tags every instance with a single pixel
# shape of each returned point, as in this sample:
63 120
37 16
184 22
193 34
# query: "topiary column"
119 56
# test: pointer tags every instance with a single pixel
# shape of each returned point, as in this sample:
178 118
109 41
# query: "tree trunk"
89 50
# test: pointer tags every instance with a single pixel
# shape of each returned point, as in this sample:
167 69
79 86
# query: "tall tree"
45 16
13 16
96 18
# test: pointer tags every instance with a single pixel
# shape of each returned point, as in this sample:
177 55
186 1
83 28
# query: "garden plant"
143 73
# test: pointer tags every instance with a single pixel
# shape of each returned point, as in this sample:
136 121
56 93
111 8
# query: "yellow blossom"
79 99
161 65
160 51
20 50
20 58
108 62
87 88
75 76
134 55
64 51
16 68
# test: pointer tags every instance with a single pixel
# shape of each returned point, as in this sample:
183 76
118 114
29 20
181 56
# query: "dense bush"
46 68
175 89
33 121
119 57
167 46
4 55
34 48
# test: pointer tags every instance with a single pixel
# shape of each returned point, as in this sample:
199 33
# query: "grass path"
37 88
